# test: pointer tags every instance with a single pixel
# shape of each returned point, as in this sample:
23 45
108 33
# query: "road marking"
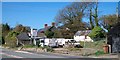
11 55
29 53
24 52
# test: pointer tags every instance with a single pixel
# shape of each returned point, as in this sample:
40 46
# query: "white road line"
28 53
11 55
24 52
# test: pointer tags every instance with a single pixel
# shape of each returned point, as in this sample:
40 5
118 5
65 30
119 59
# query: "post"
84 47
109 48
44 42
84 43
17 42
118 56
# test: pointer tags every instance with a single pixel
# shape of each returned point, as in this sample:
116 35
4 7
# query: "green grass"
29 46
95 45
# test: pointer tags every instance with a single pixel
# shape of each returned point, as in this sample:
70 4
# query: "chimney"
46 25
53 24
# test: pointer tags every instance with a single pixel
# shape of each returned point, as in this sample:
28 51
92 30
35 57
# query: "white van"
50 42
53 42
61 42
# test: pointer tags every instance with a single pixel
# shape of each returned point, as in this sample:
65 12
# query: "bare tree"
71 16
96 14
107 21
90 13
75 11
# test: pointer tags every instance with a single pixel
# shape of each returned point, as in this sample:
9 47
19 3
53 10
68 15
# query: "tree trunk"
91 23
96 14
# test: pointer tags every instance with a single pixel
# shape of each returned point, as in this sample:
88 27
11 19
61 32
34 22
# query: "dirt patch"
74 51
33 49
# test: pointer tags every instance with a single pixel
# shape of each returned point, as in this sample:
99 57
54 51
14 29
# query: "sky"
59 0
0 12
36 14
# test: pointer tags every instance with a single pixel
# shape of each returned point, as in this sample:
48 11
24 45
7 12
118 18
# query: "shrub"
97 53
11 40
97 33
94 45
49 33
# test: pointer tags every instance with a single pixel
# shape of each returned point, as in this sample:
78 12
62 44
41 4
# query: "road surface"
10 54
6 53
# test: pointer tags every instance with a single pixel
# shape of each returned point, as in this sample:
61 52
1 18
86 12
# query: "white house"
33 32
83 36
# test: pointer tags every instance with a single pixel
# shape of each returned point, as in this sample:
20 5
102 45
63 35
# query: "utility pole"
86 34
117 11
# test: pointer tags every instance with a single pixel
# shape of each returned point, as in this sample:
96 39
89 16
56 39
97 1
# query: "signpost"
84 39
84 43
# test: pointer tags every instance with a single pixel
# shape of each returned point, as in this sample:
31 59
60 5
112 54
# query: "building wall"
82 38
25 42
34 32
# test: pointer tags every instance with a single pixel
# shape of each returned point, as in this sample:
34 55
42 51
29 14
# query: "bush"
49 33
11 40
97 53
94 45
97 33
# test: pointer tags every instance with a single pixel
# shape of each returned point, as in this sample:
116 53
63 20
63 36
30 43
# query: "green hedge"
97 33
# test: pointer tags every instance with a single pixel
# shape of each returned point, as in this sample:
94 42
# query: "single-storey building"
23 39
83 36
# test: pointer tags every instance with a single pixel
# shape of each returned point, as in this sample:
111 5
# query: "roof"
41 35
43 29
27 28
40 32
23 36
82 32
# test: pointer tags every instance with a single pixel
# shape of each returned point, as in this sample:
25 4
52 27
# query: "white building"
83 36
33 32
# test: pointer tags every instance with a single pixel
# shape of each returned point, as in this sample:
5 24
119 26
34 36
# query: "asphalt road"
23 54
14 55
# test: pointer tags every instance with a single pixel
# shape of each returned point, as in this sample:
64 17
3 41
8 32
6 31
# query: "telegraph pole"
117 11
